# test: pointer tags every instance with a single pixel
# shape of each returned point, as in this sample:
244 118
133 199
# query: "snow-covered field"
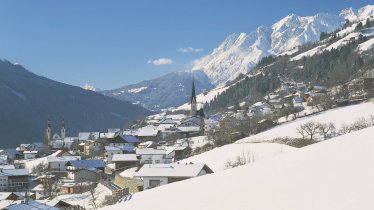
336 174
217 158
339 116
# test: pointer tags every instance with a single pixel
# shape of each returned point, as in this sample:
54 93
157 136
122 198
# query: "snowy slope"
332 175
203 98
339 116
252 152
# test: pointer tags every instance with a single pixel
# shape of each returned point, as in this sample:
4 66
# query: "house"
154 156
124 161
11 153
147 144
59 163
91 147
210 125
122 140
111 150
85 170
179 152
8 196
14 179
77 186
30 154
155 175
30 204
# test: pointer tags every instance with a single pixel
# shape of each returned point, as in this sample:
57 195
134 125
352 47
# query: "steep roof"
150 151
86 164
124 157
172 170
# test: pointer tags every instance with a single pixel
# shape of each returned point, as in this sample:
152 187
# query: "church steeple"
193 100
48 132
63 128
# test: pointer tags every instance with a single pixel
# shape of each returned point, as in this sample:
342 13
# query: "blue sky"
113 43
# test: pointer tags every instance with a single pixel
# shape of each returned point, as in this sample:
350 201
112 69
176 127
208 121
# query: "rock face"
28 100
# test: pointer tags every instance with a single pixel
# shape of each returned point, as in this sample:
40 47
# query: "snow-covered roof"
184 129
31 152
148 131
171 170
129 173
86 135
124 157
150 151
4 195
128 148
7 167
52 159
168 121
107 135
32 205
39 144
15 172
86 164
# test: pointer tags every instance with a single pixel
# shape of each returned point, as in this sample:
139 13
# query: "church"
50 139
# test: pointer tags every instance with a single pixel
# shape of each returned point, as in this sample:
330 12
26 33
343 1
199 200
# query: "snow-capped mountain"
166 91
240 52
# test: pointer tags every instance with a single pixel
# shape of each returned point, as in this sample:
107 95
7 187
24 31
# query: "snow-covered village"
281 117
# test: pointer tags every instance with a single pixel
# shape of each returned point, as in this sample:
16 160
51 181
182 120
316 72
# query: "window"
154 183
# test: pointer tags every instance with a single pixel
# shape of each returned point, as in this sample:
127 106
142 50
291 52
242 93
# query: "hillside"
334 174
28 100
217 158
163 92
339 116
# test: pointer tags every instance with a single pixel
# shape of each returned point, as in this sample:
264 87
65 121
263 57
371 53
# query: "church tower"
193 101
63 128
48 133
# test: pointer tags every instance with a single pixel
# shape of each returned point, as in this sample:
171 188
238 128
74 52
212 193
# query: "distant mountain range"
28 100
166 91
238 54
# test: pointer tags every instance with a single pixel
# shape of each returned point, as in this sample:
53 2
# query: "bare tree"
308 129
344 129
40 168
326 130
359 124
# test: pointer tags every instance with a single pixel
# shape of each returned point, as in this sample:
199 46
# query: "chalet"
147 144
91 147
122 140
153 156
85 170
30 154
11 153
155 175
124 161
180 152
14 179
30 204
110 151
59 163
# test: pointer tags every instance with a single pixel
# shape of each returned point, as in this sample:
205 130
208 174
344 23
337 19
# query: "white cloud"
189 49
160 61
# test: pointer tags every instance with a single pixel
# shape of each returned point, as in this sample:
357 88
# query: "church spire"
193 96
48 132
193 100
63 128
